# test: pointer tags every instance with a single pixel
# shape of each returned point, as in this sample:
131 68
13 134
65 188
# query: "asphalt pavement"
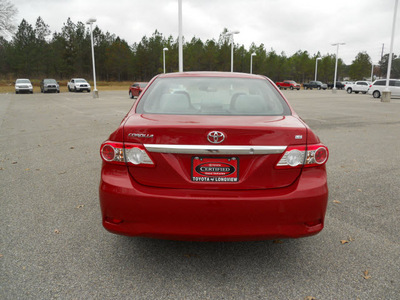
53 246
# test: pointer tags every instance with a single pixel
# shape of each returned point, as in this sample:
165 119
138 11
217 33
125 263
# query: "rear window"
212 96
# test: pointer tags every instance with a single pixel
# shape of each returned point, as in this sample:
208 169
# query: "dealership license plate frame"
215 176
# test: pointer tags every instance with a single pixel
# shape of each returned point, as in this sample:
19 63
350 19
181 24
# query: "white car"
358 86
379 85
78 85
23 85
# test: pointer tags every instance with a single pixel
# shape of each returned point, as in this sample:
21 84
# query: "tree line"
35 52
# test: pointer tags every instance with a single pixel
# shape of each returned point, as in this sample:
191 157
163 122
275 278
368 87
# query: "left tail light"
125 153
307 156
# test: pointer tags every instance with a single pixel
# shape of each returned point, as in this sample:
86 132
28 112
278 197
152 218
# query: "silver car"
49 85
23 85
376 88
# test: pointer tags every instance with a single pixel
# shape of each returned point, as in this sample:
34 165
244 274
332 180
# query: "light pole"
230 34
372 71
163 50
95 92
316 67
386 94
180 50
337 53
251 62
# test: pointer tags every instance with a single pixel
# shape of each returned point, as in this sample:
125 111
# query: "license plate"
215 169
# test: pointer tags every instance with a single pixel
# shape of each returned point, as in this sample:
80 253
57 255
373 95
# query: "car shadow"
219 261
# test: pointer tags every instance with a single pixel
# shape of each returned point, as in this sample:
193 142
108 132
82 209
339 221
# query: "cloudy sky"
282 25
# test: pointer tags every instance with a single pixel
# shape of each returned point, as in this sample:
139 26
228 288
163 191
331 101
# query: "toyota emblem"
215 137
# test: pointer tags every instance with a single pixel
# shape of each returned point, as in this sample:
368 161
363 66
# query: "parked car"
378 86
136 88
49 85
288 84
315 85
358 86
78 85
339 85
213 156
23 85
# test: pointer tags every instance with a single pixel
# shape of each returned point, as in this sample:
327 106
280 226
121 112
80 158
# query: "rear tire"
291 88
349 91
376 94
319 88
130 95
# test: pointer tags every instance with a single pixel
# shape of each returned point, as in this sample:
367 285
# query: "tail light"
307 156
125 153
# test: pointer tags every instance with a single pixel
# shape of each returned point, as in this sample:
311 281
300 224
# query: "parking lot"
53 246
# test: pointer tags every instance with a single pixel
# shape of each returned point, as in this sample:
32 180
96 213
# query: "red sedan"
136 88
212 156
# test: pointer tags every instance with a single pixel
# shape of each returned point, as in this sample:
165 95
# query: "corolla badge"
141 135
216 137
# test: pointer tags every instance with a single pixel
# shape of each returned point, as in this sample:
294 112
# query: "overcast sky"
289 25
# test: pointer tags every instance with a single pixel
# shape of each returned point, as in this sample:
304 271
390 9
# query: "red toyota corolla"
212 156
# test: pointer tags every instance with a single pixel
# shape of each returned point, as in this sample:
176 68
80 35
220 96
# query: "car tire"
75 89
349 91
364 92
319 88
130 94
291 88
16 92
69 89
376 94
58 91
356 92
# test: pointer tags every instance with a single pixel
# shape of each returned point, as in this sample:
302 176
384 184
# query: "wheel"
16 92
349 90
319 88
376 94
75 89
364 92
291 88
130 95
88 91
69 89
298 89
58 91
356 92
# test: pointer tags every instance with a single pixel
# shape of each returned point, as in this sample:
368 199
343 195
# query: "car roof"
211 74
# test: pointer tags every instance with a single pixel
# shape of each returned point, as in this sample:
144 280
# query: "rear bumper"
129 208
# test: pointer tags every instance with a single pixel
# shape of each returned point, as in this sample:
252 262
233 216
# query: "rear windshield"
212 96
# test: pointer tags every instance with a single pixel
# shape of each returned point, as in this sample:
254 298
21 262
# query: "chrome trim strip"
226 150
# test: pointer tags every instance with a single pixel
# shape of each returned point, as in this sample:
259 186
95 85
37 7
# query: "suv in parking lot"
23 85
49 85
358 86
376 88
78 85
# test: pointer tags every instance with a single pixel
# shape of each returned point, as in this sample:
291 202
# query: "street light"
230 34
95 92
316 67
386 94
165 49
251 62
337 53
372 71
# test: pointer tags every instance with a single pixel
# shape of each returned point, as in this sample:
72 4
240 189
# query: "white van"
378 86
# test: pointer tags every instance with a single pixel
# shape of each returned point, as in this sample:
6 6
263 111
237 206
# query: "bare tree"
7 14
